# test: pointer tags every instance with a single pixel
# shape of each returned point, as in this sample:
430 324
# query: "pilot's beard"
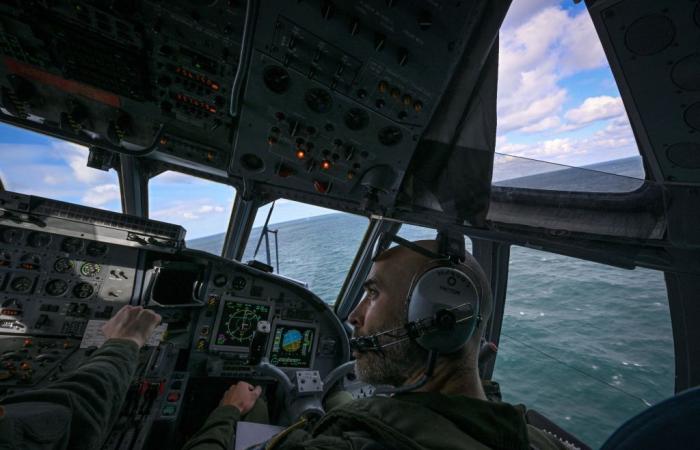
394 364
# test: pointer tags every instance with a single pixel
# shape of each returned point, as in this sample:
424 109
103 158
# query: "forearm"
218 431
93 393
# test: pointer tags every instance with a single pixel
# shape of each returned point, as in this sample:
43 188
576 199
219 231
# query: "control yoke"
303 395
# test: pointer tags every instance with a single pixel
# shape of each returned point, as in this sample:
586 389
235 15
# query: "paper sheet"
93 336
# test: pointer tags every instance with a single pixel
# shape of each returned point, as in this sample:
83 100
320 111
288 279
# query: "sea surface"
587 345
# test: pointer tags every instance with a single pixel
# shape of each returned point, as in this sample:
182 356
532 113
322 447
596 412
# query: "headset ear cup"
445 292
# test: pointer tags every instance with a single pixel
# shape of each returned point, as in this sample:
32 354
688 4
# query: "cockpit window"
312 245
557 99
201 206
35 164
587 345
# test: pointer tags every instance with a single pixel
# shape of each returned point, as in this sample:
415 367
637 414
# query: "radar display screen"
237 323
292 346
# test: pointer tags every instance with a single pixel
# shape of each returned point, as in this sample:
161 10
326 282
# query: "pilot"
449 411
77 411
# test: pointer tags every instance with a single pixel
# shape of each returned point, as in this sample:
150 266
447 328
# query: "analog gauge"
5 259
71 245
238 283
90 269
220 280
96 249
83 290
30 261
56 287
21 284
37 239
63 265
10 235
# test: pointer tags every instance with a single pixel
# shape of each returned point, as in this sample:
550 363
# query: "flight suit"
417 421
75 412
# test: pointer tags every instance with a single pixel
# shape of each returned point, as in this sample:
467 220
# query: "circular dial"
238 283
38 240
83 290
90 269
356 119
21 284
318 100
63 265
276 79
96 249
10 235
389 136
56 287
30 261
71 245
220 280
241 325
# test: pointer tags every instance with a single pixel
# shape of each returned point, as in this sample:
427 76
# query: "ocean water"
587 345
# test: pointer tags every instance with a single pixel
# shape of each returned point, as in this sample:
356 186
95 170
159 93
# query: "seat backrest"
673 423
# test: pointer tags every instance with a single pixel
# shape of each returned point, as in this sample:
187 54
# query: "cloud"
189 210
101 195
539 49
548 123
614 141
596 108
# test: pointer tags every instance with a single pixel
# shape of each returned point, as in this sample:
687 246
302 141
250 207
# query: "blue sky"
557 102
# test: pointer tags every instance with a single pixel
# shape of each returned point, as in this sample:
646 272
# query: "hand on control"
132 322
241 395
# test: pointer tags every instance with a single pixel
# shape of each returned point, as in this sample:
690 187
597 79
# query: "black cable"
582 372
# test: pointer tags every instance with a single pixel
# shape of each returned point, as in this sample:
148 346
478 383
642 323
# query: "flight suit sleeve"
218 431
91 398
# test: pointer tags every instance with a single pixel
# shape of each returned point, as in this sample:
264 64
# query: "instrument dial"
83 290
220 280
90 269
37 239
71 245
21 284
63 265
238 283
96 249
56 287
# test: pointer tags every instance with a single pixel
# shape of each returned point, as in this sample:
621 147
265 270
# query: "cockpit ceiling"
326 100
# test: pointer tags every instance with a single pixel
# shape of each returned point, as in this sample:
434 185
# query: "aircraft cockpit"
387 112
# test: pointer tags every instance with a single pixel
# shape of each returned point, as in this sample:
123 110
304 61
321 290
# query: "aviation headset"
444 299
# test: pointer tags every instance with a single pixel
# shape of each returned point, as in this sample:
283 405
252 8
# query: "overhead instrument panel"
348 88
123 75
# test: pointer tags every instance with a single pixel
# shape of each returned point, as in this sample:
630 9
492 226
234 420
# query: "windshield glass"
585 344
35 164
201 206
312 245
557 99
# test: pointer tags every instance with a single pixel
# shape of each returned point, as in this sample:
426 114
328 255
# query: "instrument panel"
53 280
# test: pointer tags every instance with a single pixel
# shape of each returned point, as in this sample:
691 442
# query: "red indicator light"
215 86
301 154
325 164
10 312
163 141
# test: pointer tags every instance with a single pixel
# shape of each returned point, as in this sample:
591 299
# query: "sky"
557 102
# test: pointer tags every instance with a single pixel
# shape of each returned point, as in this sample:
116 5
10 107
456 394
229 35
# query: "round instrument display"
56 287
96 249
220 280
71 245
30 261
238 283
90 269
63 265
83 290
21 284
37 239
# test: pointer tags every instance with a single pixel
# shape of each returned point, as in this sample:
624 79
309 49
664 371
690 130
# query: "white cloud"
101 195
596 108
196 209
548 123
536 54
